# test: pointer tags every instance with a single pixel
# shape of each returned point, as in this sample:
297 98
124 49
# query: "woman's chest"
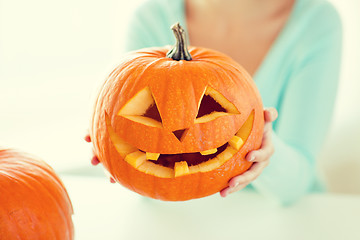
246 41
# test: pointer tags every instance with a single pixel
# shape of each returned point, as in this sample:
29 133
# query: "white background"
54 53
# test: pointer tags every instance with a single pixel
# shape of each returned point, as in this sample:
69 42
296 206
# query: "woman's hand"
260 157
95 161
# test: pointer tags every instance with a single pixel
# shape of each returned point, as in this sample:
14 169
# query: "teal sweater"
298 76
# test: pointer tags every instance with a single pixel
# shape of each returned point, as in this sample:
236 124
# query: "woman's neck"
245 8
243 29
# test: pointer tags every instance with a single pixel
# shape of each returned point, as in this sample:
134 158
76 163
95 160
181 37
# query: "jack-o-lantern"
176 125
34 203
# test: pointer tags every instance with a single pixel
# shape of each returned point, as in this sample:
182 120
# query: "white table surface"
109 212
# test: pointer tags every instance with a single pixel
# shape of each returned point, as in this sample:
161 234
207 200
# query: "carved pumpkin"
33 201
176 125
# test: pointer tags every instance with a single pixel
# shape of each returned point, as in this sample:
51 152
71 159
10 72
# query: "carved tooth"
152 156
181 168
208 152
227 154
157 170
135 159
236 142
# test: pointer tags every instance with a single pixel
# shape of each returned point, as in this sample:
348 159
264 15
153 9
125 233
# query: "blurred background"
53 55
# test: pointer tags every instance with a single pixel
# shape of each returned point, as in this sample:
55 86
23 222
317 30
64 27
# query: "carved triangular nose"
180 134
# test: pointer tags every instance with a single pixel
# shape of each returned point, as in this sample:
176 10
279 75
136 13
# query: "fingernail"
94 161
273 114
252 158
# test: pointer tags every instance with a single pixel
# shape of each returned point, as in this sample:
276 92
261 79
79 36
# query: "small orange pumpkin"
34 203
175 124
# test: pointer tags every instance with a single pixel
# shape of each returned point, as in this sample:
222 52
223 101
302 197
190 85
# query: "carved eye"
213 105
209 105
142 109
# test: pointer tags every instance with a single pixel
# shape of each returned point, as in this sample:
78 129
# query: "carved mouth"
176 165
192 159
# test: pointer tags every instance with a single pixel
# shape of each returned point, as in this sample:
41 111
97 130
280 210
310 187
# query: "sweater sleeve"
150 24
139 32
305 111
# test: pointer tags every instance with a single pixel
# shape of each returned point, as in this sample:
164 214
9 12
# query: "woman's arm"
305 114
305 111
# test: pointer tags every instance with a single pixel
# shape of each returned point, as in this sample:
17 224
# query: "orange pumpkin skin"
34 203
208 116
177 87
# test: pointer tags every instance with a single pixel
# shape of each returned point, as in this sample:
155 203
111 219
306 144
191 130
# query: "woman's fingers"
229 190
266 149
239 182
270 114
250 175
95 161
87 138
112 180
260 157
263 154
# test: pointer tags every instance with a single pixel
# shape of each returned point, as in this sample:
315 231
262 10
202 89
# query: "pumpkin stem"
180 49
